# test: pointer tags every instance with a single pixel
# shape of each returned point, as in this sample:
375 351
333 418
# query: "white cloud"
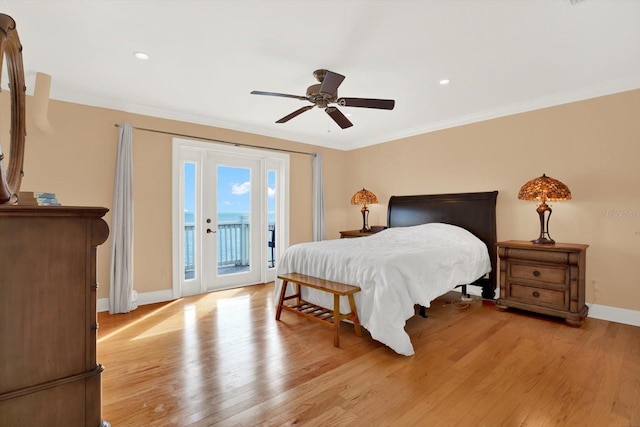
271 192
240 189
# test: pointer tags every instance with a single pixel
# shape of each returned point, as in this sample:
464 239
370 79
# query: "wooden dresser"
49 375
546 279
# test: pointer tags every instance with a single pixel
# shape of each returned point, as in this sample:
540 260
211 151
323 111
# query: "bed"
389 266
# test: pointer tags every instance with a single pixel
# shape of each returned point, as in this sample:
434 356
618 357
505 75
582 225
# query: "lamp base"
365 219
544 238
543 241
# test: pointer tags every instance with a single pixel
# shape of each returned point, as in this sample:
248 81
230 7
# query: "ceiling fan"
325 93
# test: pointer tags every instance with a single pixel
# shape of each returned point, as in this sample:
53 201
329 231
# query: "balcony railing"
233 247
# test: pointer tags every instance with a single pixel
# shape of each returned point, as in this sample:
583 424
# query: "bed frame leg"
423 311
464 292
488 292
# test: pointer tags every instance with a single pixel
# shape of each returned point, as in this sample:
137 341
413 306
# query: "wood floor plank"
627 394
221 359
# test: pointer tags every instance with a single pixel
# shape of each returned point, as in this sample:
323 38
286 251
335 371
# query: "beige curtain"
121 274
319 229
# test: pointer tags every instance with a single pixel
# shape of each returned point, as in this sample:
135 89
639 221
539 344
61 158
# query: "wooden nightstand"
357 233
546 279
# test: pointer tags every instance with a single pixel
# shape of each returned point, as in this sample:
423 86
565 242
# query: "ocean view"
232 237
226 217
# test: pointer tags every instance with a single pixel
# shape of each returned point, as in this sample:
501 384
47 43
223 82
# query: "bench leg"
336 320
354 315
283 291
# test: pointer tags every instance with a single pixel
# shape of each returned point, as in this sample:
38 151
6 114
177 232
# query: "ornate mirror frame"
11 50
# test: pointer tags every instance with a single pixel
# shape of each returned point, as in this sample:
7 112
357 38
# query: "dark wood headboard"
475 212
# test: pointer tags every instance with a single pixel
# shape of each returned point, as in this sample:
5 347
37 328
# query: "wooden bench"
314 312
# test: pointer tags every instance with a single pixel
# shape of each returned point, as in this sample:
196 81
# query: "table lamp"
364 198
541 190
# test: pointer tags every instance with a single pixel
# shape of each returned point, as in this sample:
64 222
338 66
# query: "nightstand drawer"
531 294
538 273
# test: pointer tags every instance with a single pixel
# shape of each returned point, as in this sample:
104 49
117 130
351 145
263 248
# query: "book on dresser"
35 198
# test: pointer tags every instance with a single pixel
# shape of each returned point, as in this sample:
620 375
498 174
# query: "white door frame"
185 150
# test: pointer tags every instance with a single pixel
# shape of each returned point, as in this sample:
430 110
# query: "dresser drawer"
545 297
539 273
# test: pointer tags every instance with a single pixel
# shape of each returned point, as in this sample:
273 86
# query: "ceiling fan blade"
295 113
383 104
283 95
338 117
330 83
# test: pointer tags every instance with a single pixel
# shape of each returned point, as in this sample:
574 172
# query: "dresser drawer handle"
536 273
536 294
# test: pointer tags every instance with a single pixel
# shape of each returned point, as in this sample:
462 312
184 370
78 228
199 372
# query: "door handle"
210 230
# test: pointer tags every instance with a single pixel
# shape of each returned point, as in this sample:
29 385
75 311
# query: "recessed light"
444 82
141 55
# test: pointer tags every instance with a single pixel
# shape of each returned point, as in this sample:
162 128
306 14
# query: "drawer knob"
536 294
536 273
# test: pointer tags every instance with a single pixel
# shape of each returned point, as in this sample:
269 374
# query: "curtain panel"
319 228
121 272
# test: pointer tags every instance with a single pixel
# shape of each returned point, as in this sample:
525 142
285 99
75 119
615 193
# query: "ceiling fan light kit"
325 93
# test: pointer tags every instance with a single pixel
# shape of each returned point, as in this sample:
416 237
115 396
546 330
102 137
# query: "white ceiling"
502 57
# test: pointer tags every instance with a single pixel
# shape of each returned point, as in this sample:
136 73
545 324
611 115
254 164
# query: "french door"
229 219
233 215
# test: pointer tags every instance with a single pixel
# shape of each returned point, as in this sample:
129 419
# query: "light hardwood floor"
223 359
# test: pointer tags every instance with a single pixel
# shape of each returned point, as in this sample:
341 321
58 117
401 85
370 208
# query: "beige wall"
592 146
77 160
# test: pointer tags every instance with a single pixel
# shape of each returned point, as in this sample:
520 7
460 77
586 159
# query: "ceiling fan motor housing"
320 99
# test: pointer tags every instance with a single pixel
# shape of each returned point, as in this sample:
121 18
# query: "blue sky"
233 189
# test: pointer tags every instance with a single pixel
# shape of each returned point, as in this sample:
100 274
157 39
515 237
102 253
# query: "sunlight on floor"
140 320
170 324
214 300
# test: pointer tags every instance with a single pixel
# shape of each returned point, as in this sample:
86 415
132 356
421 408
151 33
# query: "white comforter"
395 268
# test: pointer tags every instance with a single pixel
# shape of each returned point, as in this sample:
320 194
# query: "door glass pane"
189 220
234 226
271 218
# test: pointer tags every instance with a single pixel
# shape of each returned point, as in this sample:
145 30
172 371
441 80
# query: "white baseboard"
613 314
596 311
143 299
